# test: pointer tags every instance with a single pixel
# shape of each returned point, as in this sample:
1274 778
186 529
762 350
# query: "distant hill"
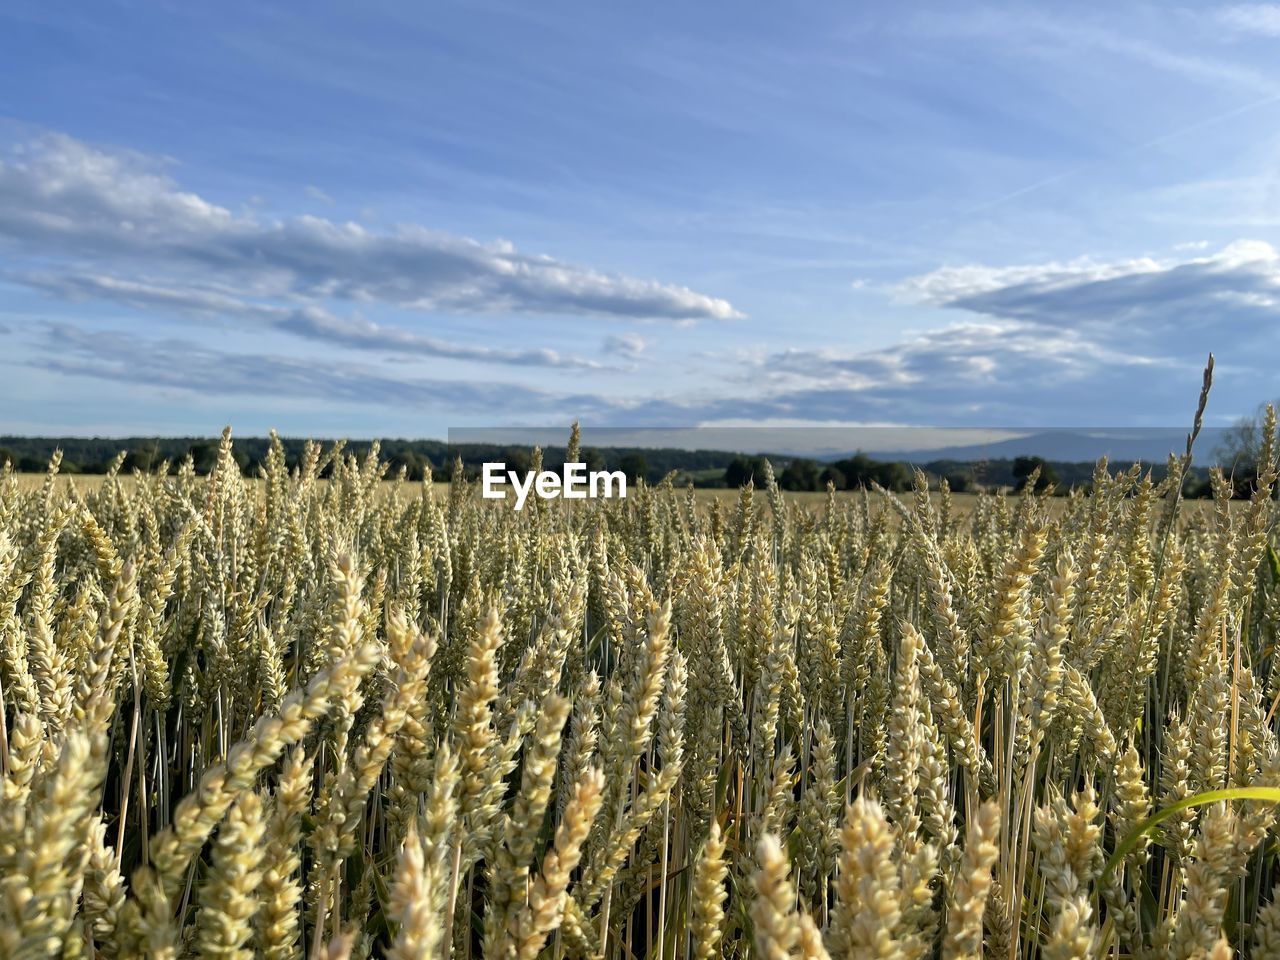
1067 446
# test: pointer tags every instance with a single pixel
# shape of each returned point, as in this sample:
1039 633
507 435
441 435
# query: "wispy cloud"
1063 343
1259 18
1141 305
964 375
628 345
1042 33
311 322
63 199
967 373
178 364
1057 343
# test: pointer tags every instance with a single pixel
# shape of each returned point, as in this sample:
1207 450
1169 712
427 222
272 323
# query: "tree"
861 472
892 476
1240 442
414 463
1240 448
1196 487
834 476
741 469
856 470
738 472
144 458
204 454
634 466
518 459
1024 467
800 475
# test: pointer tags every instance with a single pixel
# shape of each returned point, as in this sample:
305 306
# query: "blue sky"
393 219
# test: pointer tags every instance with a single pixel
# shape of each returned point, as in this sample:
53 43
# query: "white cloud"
1146 305
177 364
948 285
976 360
315 193
311 322
629 345
1259 18
62 199
1073 342
989 374
1069 343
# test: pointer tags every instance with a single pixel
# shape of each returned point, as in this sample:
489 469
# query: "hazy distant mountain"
1069 446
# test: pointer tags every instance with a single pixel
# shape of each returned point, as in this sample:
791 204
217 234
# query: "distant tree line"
415 457
700 468
801 474
96 455
863 472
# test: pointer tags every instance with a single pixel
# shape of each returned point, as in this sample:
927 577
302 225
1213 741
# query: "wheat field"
289 718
